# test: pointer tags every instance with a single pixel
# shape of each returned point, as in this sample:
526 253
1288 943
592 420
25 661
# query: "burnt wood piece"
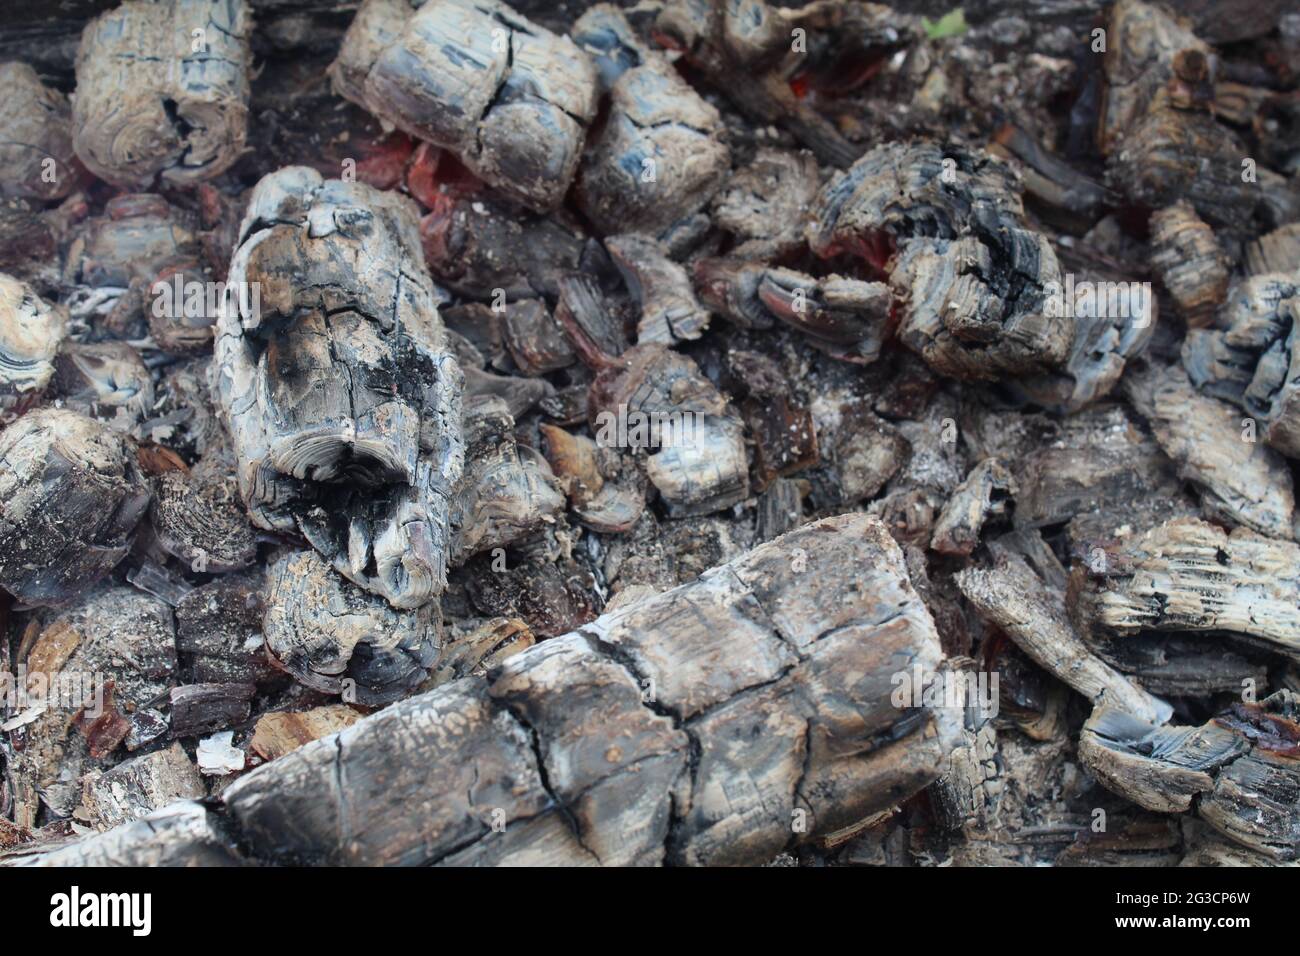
535 339
1276 251
31 332
506 490
1185 665
1250 359
1101 459
669 310
219 627
656 401
479 246
335 638
1239 480
973 281
480 650
71 494
108 381
747 669
606 36
138 236
199 520
36 157
198 709
1157 131
763 205
162 91
511 99
608 506
336 383
1012 597
785 438
1238 772
1190 262
282 732
658 158
140 786
1193 577
182 834
988 492
725 40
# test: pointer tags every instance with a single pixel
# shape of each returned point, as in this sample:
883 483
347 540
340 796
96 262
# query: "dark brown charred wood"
479 246
219 627
597 333
71 494
31 332
36 156
785 438
162 91
535 339
511 99
550 598
198 709
336 384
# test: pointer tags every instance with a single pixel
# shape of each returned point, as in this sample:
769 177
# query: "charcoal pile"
698 433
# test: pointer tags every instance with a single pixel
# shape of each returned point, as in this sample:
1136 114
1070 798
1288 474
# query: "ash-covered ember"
688 433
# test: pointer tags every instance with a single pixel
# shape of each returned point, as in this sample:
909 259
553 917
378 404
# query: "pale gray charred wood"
659 402
337 386
36 157
1250 359
1276 251
1190 576
108 381
136 238
1012 597
1238 773
751 645
140 786
506 490
1238 480
183 834
71 494
764 204
606 36
31 332
658 158
511 99
336 638
162 91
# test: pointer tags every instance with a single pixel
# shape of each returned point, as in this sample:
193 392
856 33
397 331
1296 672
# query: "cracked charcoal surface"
614 411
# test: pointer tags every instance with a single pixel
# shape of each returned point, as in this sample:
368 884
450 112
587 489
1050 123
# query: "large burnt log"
752 714
336 385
